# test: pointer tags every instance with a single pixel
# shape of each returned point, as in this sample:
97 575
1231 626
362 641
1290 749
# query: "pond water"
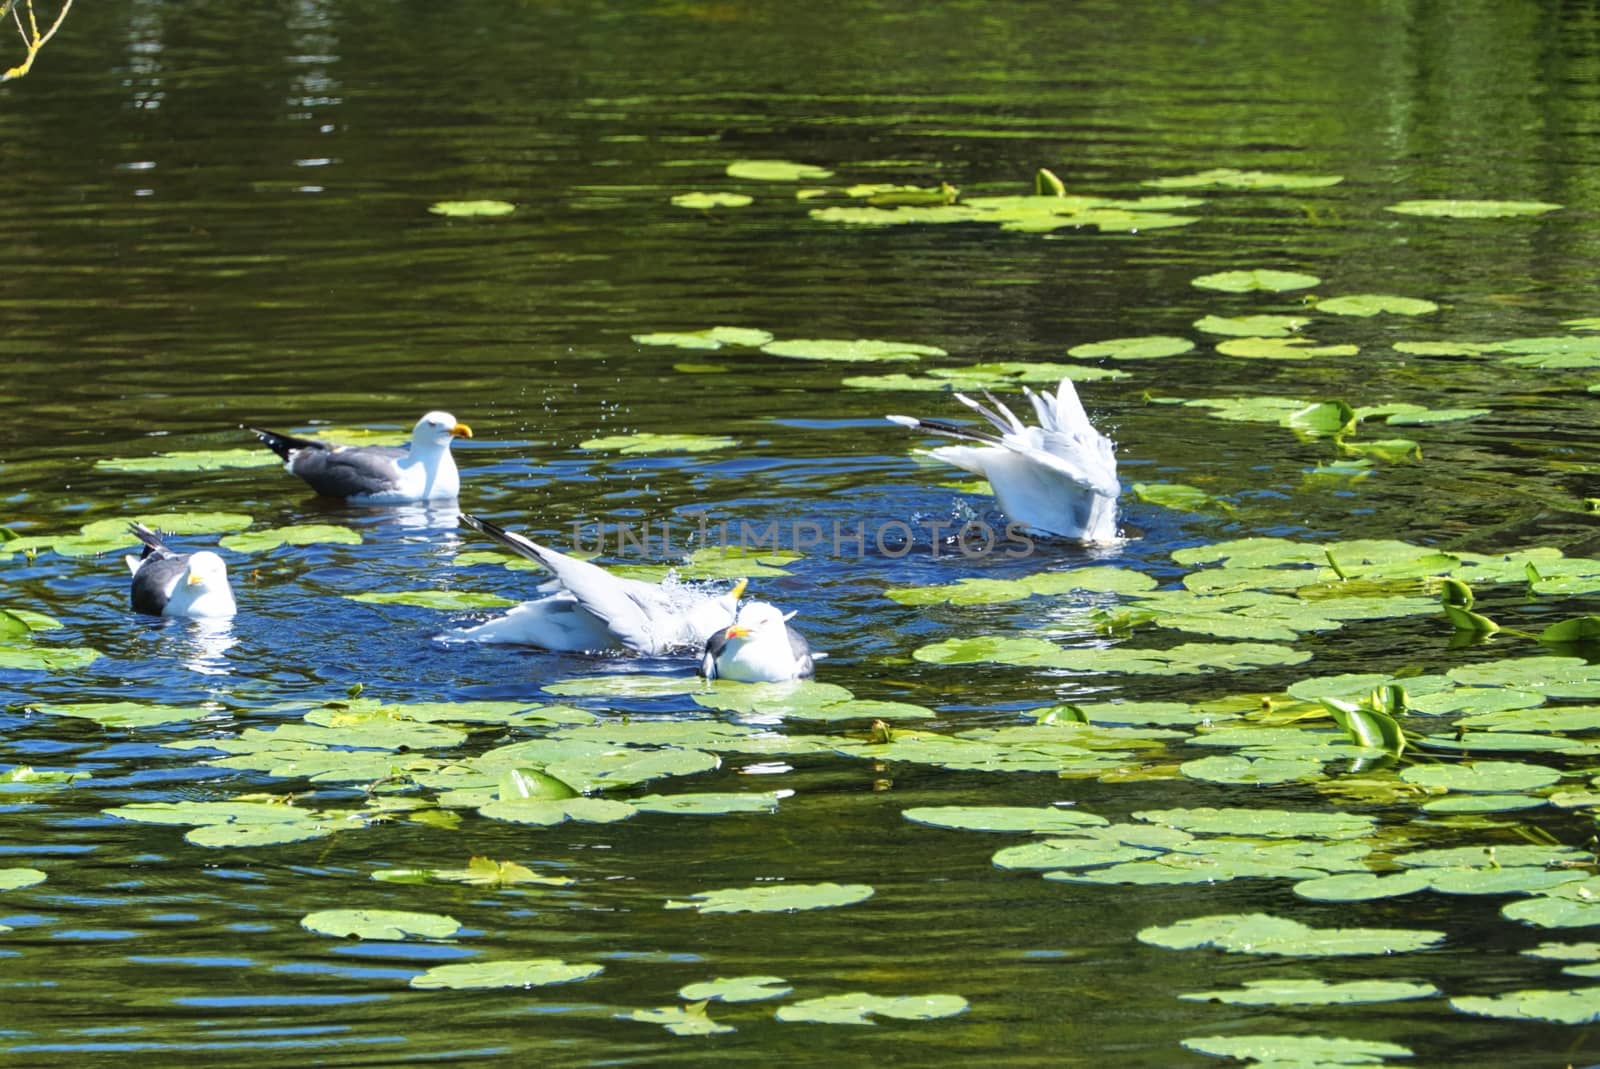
219 214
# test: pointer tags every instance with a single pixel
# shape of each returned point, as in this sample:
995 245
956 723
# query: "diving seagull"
585 608
424 470
1059 478
760 647
177 584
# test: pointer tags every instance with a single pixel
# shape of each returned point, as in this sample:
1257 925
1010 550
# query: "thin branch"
33 41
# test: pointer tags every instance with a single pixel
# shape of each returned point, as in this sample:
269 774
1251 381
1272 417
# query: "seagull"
587 609
1059 478
177 584
420 471
760 647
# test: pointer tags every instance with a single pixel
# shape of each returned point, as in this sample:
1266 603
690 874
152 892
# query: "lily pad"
1485 776
384 924
775 898
1370 304
1295 1051
644 442
1009 818
850 350
1151 347
736 989
531 972
1232 178
1471 209
195 460
1282 349
471 208
300 534
1260 933
858 1006
690 1020
1580 1006
1297 991
1254 280
16 878
444 600
776 171
1254 326
711 338
1264 822
700 201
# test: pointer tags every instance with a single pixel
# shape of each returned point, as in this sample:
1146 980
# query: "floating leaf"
1232 178
1067 854
775 898
644 442
1295 1051
1151 347
480 872
1296 991
1471 209
1282 348
1003 818
1435 415
1261 770
1269 823
471 208
690 1020
129 714
385 924
705 201
776 171
16 878
1178 496
736 989
850 351
1254 326
1362 886
1488 776
1581 1006
1370 304
1260 933
858 1006
532 972
196 460
548 812
301 534
444 600
708 803
711 338
1248 281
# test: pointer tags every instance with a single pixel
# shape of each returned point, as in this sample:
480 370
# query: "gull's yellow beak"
738 589
736 632
461 430
195 579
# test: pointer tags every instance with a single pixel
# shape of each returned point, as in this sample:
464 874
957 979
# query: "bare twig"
32 39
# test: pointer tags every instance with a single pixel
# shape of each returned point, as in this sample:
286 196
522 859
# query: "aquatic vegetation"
465 209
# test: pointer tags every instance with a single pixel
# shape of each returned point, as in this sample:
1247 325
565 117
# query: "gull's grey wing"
284 444
151 581
623 605
714 647
802 652
349 472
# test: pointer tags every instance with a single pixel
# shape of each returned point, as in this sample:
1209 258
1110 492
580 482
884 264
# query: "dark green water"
216 214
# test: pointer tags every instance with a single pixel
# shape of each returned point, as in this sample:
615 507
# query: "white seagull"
587 609
178 584
760 647
424 470
1059 478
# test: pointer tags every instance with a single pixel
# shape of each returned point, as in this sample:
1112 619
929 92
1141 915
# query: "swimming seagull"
424 470
587 609
760 647
1057 478
177 584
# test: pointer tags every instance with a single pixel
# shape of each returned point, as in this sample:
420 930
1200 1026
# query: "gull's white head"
757 619
438 429
203 589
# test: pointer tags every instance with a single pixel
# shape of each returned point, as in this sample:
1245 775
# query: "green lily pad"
531 972
1261 770
1151 347
1178 496
385 924
548 812
1370 304
1362 886
1484 776
776 171
1580 1006
196 460
858 1006
1282 349
480 872
1265 823
1260 933
1068 854
1435 415
1297 1051
300 534
775 898
1003 818
711 338
690 1020
1253 280
850 350
999 375
16 878
1253 326
471 208
1471 209
708 803
1298 991
644 442
444 600
1232 178
129 714
736 989
700 201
